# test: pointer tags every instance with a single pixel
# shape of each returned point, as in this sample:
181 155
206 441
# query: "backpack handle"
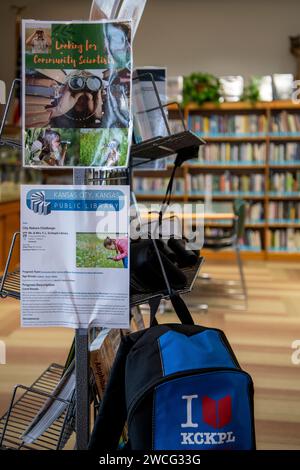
181 310
179 306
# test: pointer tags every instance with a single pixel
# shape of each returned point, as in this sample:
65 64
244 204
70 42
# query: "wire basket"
25 404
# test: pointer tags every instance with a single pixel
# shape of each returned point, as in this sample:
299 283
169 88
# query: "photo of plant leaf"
91 252
103 147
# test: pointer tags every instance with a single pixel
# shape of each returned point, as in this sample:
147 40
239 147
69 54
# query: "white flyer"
75 256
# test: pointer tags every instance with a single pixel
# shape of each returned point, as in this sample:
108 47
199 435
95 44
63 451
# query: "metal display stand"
9 142
160 147
17 419
24 408
82 415
83 177
164 146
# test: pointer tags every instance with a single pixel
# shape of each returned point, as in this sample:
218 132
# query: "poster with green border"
76 96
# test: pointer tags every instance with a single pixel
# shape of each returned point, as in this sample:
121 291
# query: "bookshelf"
252 152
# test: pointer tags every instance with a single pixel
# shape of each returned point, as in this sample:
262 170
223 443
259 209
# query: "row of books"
225 183
285 122
278 240
288 211
252 239
285 153
284 239
157 185
286 182
228 124
232 153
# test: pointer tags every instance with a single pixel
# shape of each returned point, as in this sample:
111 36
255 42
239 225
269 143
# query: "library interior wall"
244 37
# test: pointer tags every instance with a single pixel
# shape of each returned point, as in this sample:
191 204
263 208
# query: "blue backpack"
178 387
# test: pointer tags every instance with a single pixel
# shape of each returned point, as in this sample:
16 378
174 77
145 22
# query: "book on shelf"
103 351
225 183
287 239
287 182
228 124
254 213
102 354
252 240
284 153
157 185
228 153
285 122
284 211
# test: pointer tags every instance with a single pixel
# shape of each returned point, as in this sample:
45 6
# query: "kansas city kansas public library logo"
38 203
215 413
51 200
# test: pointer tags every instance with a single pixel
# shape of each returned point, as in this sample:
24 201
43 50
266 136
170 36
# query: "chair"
230 238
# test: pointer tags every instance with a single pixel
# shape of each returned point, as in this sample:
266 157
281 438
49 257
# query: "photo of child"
113 153
103 147
120 245
95 250
51 147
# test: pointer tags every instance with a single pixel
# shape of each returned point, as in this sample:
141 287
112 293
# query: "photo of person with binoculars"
39 41
77 98
49 147
81 101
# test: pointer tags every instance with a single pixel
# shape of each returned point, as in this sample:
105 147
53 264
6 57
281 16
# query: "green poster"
77 94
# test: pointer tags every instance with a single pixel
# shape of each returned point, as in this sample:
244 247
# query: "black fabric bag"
178 387
145 269
185 257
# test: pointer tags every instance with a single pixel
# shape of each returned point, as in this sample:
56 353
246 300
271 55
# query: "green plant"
93 145
251 91
200 88
90 252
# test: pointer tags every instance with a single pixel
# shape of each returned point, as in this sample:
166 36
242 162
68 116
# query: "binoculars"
91 84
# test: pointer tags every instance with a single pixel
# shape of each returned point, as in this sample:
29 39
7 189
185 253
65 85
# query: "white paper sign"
75 256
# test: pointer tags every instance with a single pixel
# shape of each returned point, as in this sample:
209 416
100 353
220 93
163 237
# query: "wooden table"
214 216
